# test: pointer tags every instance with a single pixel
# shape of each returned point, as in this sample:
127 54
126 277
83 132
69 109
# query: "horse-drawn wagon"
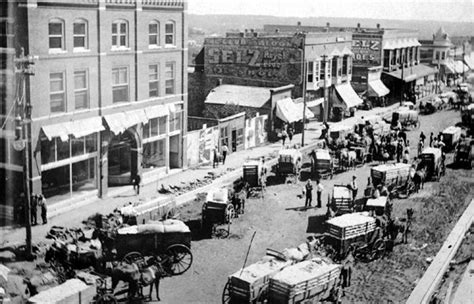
407 118
322 163
451 137
355 232
310 281
154 210
217 210
394 176
465 151
289 163
341 201
431 161
254 176
379 205
339 132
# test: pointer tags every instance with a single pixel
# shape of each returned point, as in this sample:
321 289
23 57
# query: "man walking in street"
431 139
319 191
136 184
224 149
354 188
309 194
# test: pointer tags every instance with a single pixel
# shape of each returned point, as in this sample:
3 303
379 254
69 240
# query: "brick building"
109 94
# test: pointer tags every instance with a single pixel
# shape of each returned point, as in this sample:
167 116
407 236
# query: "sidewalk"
73 214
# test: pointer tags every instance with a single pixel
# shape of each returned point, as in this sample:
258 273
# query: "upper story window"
57 92
170 78
80 34
81 90
154 80
120 34
56 34
154 33
310 71
170 33
120 84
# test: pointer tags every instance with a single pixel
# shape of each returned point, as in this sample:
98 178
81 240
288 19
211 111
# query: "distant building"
318 63
390 55
109 96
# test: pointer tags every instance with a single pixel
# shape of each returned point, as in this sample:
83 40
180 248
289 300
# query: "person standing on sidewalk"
319 191
309 194
431 139
44 209
136 183
215 159
224 149
34 209
290 134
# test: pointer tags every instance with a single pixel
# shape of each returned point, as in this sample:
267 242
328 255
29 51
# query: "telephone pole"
23 68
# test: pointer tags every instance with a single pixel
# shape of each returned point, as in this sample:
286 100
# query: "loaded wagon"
170 240
379 205
289 162
341 201
451 137
407 118
431 160
310 281
254 176
250 284
393 176
339 132
322 163
217 210
357 232
465 152
154 210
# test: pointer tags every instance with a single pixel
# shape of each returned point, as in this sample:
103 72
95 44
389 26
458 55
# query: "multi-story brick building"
109 94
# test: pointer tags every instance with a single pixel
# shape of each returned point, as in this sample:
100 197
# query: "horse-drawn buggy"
218 210
356 232
254 177
406 118
322 163
431 163
289 163
451 137
341 201
464 153
311 281
395 177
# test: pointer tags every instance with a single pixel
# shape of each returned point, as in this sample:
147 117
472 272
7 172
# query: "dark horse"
402 226
419 178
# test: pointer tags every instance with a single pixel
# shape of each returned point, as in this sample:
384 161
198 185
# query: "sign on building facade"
367 50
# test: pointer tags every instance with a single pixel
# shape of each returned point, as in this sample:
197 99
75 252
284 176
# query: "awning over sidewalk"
348 95
120 122
76 128
308 113
413 72
287 111
377 88
156 111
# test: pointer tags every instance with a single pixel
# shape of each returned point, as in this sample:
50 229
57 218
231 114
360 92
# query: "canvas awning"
348 95
156 111
314 103
120 122
76 128
287 111
377 88
308 113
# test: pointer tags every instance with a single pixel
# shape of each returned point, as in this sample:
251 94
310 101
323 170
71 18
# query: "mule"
402 226
419 179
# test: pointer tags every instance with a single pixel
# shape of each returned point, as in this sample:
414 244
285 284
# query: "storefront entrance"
122 159
174 152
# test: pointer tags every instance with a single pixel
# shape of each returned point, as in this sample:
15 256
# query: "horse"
348 159
419 178
402 226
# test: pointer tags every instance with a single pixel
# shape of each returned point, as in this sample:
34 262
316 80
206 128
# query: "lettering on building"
367 51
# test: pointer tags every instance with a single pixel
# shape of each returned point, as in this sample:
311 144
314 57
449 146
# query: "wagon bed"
392 175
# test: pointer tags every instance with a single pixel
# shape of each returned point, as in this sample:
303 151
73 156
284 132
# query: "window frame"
153 81
85 36
116 86
118 35
156 35
310 72
62 36
173 34
82 90
62 92
172 79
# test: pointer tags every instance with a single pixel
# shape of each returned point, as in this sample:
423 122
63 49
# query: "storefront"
344 101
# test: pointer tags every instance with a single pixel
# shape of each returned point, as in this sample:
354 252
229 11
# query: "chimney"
378 26
298 23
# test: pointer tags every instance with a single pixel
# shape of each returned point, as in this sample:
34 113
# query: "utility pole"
325 92
24 69
305 80
462 61
403 81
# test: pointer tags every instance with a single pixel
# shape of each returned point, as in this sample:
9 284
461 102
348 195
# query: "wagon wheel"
229 213
180 257
378 250
226 297
107 299
132 257
262 296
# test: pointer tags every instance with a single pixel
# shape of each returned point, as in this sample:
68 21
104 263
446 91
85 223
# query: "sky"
440 10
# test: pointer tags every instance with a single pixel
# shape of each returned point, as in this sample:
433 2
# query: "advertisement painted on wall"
367 50
276 59
208 139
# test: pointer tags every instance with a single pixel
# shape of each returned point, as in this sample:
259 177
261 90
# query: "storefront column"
103 165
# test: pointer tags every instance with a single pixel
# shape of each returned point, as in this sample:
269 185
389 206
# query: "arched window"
170 33
119 34
154 33
56 34
80 34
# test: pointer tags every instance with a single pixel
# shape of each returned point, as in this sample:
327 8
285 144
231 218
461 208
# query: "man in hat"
353 187
309 193
319 191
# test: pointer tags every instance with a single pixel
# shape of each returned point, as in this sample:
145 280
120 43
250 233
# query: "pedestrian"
136 183
421 145
284 135
346 271
422 137
354 188
34 209
224 149
309 193
290 134
399 150
435 142
215 157
406 157
44 209
431 139
319 191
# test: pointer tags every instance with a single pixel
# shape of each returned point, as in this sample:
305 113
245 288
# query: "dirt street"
278 228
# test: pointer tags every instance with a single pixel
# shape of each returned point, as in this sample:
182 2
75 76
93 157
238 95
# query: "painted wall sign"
367 51
264 58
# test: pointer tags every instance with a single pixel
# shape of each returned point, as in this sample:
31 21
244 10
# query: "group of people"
38 202
320 188
287 131
222 155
